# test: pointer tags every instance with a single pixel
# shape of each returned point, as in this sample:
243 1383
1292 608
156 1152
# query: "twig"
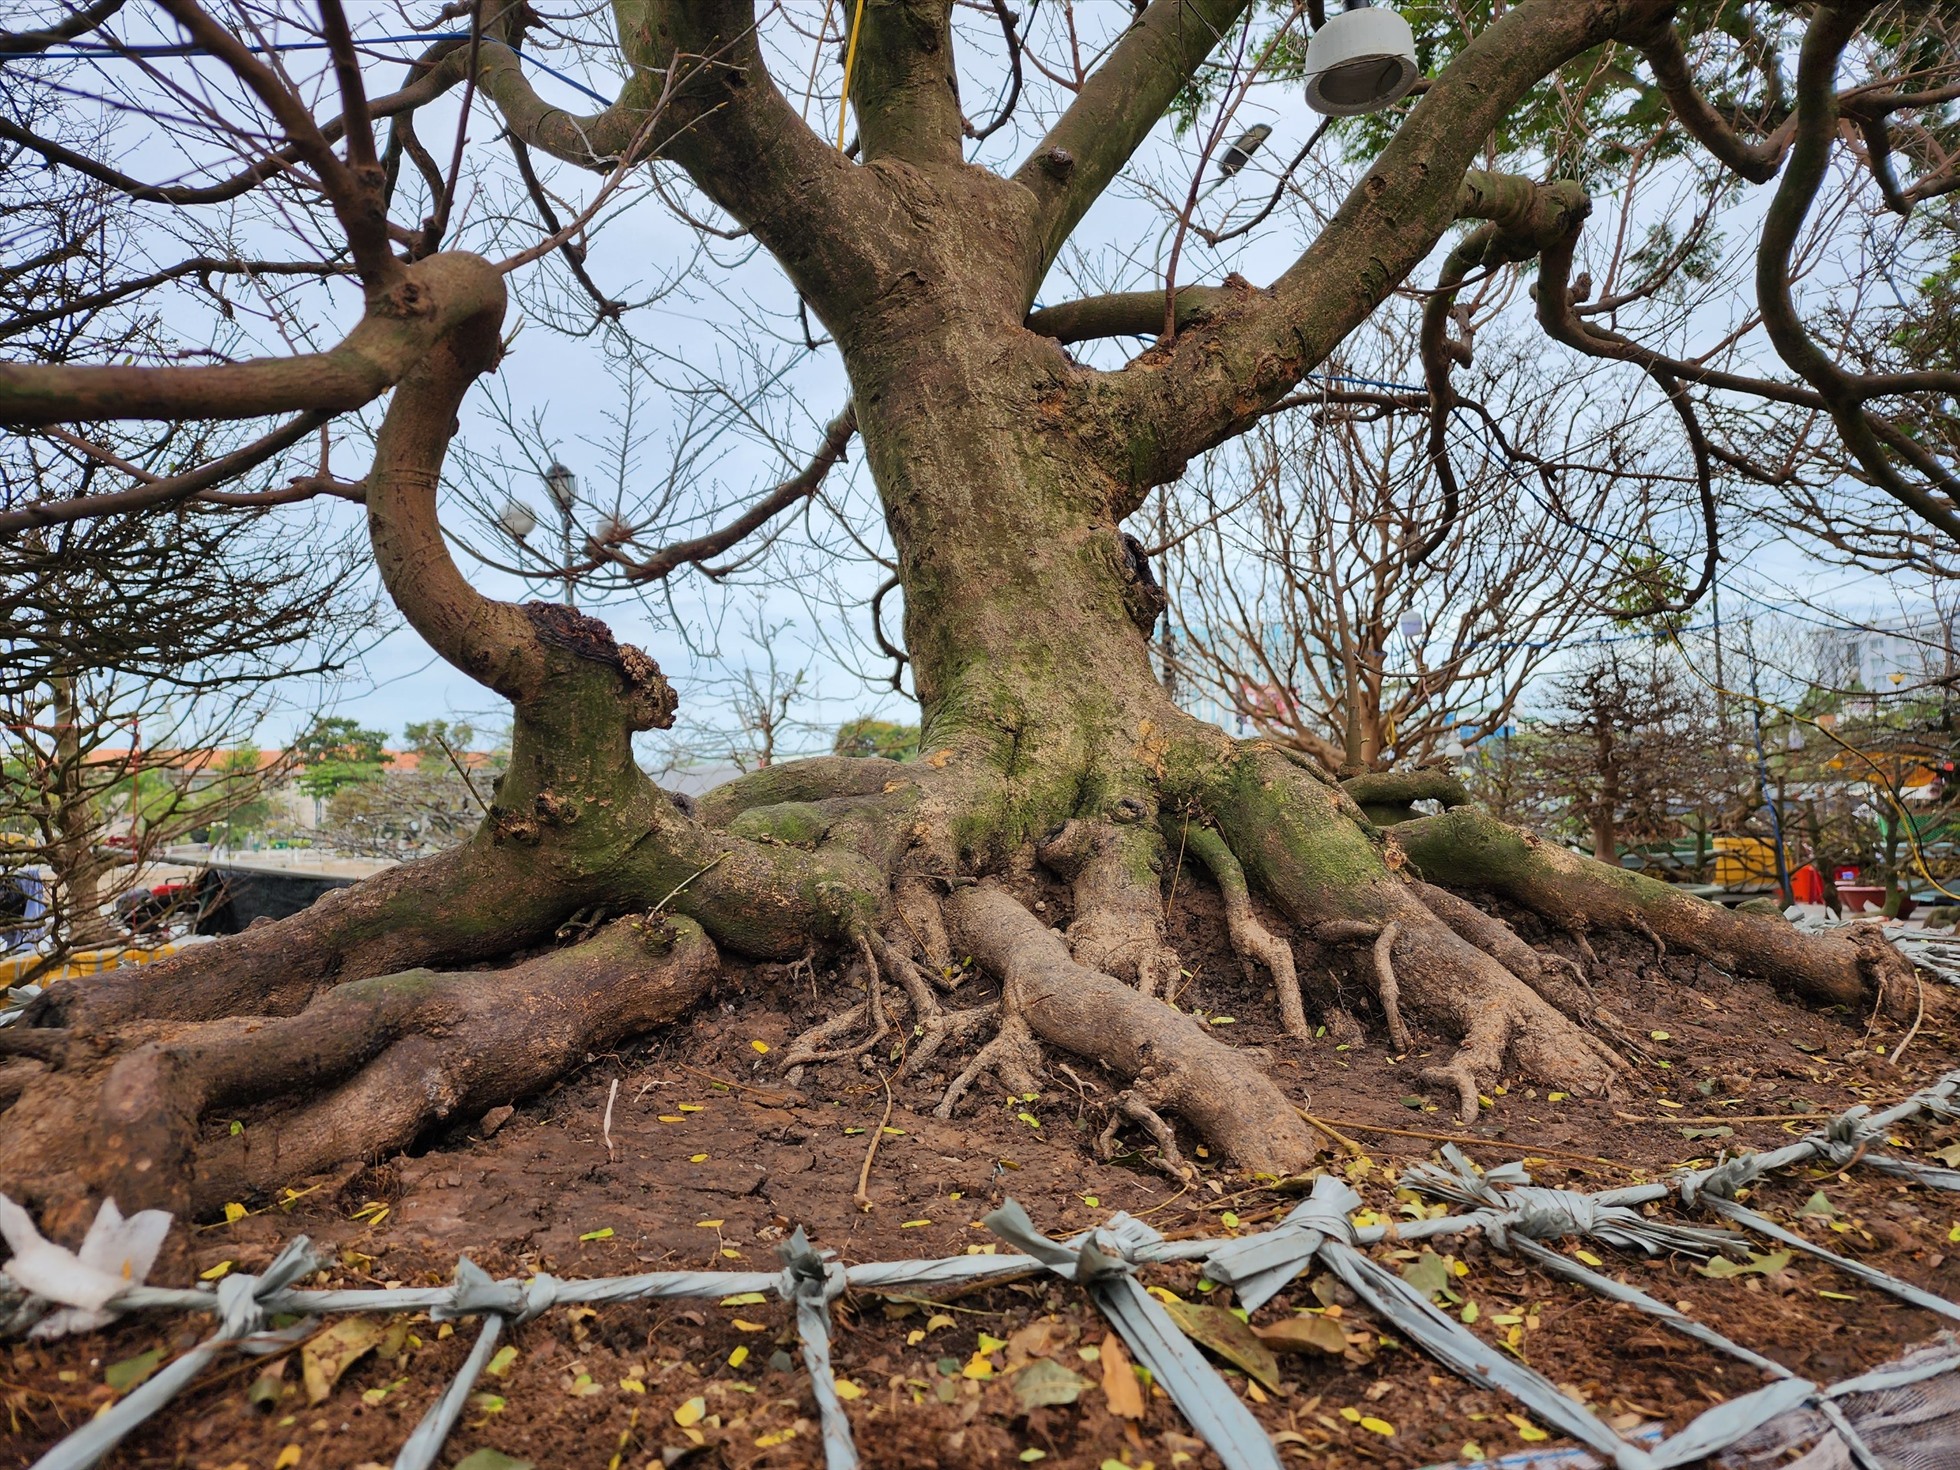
675 891
1726 1118
1917 1018
862 1199
1341 1138
762 1092
1470 1141
606 1128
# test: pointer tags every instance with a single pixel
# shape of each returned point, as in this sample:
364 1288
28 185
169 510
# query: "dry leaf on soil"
324 1358
1226 1335
1119 1380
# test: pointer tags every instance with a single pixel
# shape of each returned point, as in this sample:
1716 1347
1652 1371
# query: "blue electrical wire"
110 51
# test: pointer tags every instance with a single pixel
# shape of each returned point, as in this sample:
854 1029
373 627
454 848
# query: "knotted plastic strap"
1853 1135
1103 1263
1542 1213
1258 1267
477 1294
242 1306
811 1283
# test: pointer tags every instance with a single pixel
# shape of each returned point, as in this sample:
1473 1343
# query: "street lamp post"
562 485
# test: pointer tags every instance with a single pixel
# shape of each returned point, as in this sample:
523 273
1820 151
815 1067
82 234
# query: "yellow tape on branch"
850 64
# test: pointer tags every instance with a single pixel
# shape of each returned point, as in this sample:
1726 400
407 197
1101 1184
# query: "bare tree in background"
1312 601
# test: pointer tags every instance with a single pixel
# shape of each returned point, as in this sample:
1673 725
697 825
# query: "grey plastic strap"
1905 1291
1258 1267
1467 1354
812 1283
424 1444
1102 1264
241 1315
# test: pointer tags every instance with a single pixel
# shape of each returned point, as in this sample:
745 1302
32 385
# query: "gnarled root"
468 904
1301 842
1113 869
814 1044
1557 980
1233 1105
1251 939
368 1066
1138 1104
1470 848
1013 1056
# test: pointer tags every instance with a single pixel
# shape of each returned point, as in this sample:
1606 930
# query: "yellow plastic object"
82 962
1742 862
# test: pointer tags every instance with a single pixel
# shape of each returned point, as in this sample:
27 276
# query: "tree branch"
1113 113
1660 43
443 293
26 43
154 492
491 641
1844 393
699 67
444 68
791 492
905 90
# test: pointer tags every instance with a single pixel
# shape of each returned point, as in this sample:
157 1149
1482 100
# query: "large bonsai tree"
1006 468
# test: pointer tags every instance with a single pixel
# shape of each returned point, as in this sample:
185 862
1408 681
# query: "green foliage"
1647 579
336 739
868 736
430 737
336 753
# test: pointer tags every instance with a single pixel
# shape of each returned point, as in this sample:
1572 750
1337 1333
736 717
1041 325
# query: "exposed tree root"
1251 939
1115 872
1013 1056
813 1045
1302 844
1470 849
472 903
1234 1106
362 1071
1558 980
1388 989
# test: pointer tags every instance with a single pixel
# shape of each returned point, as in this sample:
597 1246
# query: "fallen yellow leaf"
692 1412
1527 1431
847 1390
288 1457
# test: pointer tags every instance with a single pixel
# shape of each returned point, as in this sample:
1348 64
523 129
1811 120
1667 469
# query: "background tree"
413 809
1005 468
1637 752
867 735
1321 594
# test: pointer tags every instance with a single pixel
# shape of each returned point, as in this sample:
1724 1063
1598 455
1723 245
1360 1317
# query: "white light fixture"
562 485
1412 627
1360 61
517 519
